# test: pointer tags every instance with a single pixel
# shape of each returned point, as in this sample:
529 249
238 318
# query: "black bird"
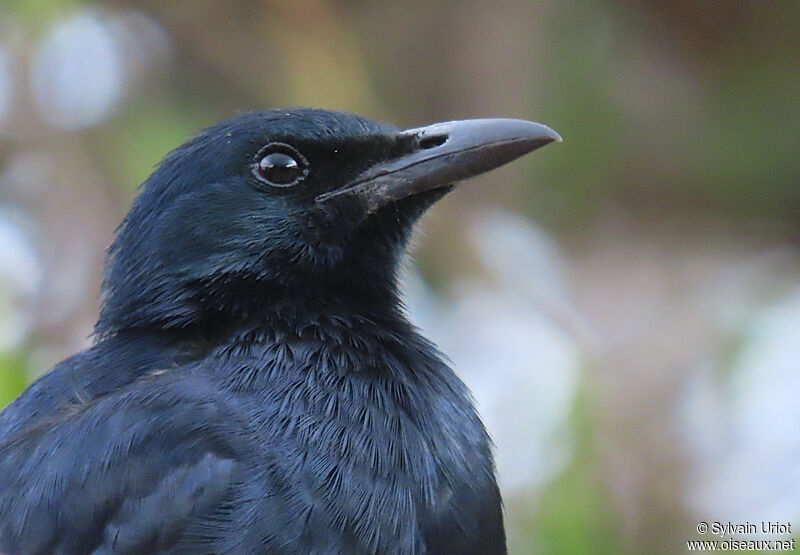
255 385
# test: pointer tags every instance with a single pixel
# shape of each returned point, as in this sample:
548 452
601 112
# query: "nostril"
432 141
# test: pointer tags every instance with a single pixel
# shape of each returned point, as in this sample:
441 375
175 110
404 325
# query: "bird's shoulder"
126 471
105 367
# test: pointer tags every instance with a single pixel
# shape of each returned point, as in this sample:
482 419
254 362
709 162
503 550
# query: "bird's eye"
280 165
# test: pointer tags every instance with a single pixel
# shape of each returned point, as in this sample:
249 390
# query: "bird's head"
299 203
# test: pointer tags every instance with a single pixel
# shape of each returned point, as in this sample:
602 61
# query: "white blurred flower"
744 438
77 75
85 64
20 276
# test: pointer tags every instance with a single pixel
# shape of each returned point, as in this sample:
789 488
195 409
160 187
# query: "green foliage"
39 11
573 515
13 376
144 134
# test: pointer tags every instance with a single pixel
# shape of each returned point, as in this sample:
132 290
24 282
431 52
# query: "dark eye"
280 165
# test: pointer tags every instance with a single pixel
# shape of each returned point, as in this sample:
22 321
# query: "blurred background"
625 306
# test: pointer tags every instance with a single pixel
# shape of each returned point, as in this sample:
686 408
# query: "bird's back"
114 450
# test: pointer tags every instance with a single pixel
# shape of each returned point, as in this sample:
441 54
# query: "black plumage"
254 385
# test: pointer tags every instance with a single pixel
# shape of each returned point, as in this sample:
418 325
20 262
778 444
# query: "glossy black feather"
255 386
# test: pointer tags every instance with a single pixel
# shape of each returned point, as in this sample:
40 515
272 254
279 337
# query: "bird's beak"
444 153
